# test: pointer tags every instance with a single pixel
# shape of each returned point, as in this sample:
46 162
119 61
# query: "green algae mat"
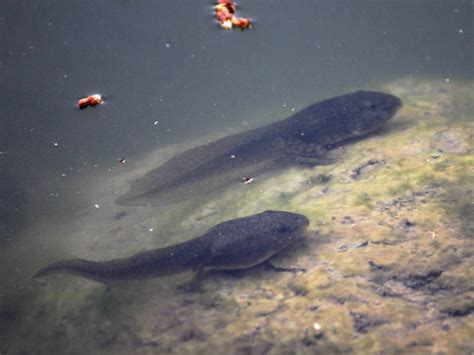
389 258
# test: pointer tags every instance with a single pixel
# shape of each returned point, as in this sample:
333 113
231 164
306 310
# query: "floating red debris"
241 22
91 100
225 10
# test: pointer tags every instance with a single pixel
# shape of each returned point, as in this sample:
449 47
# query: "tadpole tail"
85 268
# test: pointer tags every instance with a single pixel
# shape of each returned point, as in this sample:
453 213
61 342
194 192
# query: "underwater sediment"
389 257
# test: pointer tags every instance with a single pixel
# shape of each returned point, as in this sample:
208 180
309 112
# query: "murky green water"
389 251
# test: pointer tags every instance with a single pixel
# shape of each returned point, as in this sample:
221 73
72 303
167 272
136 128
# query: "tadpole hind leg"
195 284
305 154
294 270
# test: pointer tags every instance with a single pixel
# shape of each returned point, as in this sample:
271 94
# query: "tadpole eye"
282 229
368 104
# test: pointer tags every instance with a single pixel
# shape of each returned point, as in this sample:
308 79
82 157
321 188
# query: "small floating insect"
91 100
247 180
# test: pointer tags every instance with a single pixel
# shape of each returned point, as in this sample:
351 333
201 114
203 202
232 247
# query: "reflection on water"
390 238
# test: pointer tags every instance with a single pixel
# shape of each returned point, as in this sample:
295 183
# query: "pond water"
388 254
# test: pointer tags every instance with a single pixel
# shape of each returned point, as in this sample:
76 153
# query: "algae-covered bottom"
389 257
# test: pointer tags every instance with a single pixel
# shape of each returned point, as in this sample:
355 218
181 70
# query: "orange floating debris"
225 10
91 100
243 23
